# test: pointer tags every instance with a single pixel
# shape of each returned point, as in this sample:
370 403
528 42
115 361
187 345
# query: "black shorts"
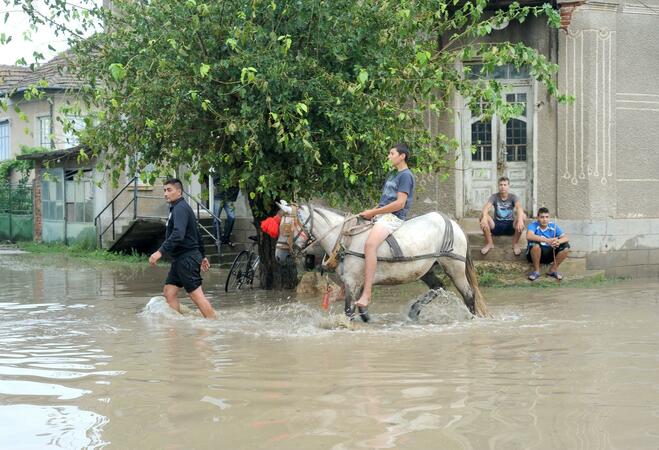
547 256
503 228
186 272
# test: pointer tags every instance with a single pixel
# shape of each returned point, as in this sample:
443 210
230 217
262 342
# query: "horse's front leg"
353 290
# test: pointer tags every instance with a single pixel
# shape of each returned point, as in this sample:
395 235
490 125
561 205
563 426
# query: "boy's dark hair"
174 182
403 149
504 179
543 210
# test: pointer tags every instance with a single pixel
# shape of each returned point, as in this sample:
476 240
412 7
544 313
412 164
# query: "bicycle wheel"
236 277
253 272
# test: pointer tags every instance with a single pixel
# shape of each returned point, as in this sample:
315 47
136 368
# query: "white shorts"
389 221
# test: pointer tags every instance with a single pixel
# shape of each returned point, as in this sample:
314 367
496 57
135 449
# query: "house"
40 120
592 162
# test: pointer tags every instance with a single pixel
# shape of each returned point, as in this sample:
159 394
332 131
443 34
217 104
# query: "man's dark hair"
174 182
543 210
403 149
504 179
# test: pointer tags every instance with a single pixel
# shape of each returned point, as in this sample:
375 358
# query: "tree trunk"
272 274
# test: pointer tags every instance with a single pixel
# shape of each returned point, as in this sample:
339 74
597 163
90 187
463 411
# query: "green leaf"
362 77
204 69
117 71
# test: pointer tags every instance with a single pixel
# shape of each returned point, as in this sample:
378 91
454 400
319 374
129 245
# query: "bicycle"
244 268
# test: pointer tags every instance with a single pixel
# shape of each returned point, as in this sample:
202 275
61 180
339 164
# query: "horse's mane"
333 210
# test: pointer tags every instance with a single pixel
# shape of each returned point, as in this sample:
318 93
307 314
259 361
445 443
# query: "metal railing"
214 232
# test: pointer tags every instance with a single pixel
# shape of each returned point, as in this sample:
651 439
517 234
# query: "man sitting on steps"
547 244
508 217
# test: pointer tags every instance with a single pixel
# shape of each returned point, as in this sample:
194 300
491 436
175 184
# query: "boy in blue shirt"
547 244
389 215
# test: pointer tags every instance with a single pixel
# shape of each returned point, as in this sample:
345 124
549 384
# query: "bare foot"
517 250
487 248
363 303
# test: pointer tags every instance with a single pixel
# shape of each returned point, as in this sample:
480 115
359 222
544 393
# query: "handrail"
115 197
133 181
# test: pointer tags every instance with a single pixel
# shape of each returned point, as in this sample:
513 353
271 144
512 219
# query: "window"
44 132
70 137
5 142
516 140
503 72
519 99
481 138
79 196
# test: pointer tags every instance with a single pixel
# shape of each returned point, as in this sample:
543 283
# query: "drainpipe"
553 44
51 108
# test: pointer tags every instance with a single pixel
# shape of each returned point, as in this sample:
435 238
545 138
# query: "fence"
16 220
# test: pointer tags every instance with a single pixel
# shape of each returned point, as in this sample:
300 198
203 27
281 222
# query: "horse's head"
295 231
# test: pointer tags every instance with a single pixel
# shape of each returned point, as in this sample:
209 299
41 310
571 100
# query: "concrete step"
515 273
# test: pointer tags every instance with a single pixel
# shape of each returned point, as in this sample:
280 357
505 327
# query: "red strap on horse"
326 298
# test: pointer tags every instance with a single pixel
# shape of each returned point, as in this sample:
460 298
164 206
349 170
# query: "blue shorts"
503 228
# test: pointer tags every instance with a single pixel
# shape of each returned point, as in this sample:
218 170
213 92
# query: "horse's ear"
284 207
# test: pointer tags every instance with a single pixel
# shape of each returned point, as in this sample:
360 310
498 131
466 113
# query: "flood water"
88 360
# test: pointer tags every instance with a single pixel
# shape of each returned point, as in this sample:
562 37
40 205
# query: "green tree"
293 99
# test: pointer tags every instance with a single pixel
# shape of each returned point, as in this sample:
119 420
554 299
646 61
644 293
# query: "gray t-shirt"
504 209
402 181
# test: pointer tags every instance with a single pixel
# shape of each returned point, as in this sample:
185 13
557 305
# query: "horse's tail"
480 308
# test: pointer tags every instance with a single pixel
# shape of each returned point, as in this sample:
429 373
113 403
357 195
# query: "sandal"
556 274
358 310
534 276
517 250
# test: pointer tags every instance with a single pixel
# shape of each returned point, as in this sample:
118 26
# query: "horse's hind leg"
456 271
433 282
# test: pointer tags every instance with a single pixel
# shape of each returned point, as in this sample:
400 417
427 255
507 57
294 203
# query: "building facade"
592 162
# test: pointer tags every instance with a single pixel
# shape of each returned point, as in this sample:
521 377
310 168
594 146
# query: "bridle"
295 228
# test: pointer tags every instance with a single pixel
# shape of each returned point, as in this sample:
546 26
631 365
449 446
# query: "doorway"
494 149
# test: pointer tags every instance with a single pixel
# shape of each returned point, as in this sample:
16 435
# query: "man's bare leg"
560 257
536 253
376 237
171 295
487 232
518 233
199 299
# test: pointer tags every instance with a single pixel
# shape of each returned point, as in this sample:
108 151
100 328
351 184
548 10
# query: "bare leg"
487 232
199 299
536 253
376 237
516 250
560 257
171 292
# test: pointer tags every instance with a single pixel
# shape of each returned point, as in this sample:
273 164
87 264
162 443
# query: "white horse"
424 241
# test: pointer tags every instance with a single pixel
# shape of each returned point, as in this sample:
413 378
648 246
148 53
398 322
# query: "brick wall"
566 10
36 198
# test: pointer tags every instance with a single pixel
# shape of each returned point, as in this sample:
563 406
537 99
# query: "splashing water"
440 307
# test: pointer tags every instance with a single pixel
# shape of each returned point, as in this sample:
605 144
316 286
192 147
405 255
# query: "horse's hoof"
363 313
414 313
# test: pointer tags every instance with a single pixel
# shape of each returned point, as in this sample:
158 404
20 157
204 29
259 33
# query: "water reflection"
91 357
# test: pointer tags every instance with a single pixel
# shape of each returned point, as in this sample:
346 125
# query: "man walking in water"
184 245
391 212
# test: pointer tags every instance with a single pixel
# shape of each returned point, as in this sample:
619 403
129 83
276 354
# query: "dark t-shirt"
402 181
504 209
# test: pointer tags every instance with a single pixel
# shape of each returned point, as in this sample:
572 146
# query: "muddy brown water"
88 360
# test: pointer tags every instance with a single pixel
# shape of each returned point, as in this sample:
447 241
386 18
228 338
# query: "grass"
82 252
503 275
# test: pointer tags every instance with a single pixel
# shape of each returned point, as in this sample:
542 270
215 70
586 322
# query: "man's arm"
519 216
180 222
394 206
